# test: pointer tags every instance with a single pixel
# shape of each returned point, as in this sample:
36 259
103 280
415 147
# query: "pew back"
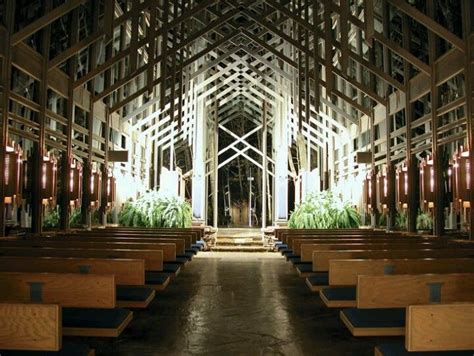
321 258
441 327
126 271
67 289
399 291
345 272
30 327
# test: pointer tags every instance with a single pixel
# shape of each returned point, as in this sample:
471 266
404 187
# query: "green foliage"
324 211
424 221
51 218
382 220
75 219
154 210
401 219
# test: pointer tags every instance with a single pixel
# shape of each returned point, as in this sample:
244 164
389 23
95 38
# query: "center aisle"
236 303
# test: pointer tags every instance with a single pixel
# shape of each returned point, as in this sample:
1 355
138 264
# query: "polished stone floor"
236 304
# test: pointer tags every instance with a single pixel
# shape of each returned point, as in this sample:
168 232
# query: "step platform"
134 296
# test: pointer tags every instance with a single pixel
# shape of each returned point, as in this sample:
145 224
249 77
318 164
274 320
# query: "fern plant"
424 221
51 218
401 219
152 209
324 211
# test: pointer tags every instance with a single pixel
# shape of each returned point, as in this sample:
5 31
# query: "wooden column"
468 11
5 103
65 206
37 208
438 214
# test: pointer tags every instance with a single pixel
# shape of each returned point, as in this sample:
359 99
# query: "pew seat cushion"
294 258
282 246
94 318
68 349
187 255
173 268
319 279
286 251
180 260
339 293
193 250
398 349
156 277
135 294
198 246
305 267
375 318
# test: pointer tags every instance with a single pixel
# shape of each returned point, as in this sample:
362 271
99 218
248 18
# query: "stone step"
239 248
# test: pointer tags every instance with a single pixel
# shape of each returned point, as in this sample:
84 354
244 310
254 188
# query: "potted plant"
424 222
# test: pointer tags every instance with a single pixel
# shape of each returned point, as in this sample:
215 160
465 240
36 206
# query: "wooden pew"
437 328
307 250
196 232
153 258
35 327
381 300
317 278
88 301
321 258
129 274
298 243
283 233
343 274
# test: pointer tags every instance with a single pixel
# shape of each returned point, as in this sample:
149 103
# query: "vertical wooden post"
37 208
5 103
468 10
65 207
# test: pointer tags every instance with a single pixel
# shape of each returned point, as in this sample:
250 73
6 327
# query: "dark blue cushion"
135 294
376 318
180 260
319 279
94 318
156 278
199 246
286 251
68 349
294 258
282 246
398 349
339 293
171 267
193 250
305 267
277 243
188 255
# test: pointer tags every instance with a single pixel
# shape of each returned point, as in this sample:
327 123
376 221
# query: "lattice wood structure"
80 78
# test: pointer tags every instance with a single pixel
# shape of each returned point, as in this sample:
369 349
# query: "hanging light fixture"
402 186
462 179
427 183
95 186
49 174
111 190
75 182
368 191
383 187
13 173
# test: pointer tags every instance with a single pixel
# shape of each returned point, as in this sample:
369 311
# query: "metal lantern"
111 190
402 186
383 188
49 175
427 183
95 187
462 178
368 191
13 174
75 182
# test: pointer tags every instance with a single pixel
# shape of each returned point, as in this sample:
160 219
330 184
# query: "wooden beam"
429 23
45 20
